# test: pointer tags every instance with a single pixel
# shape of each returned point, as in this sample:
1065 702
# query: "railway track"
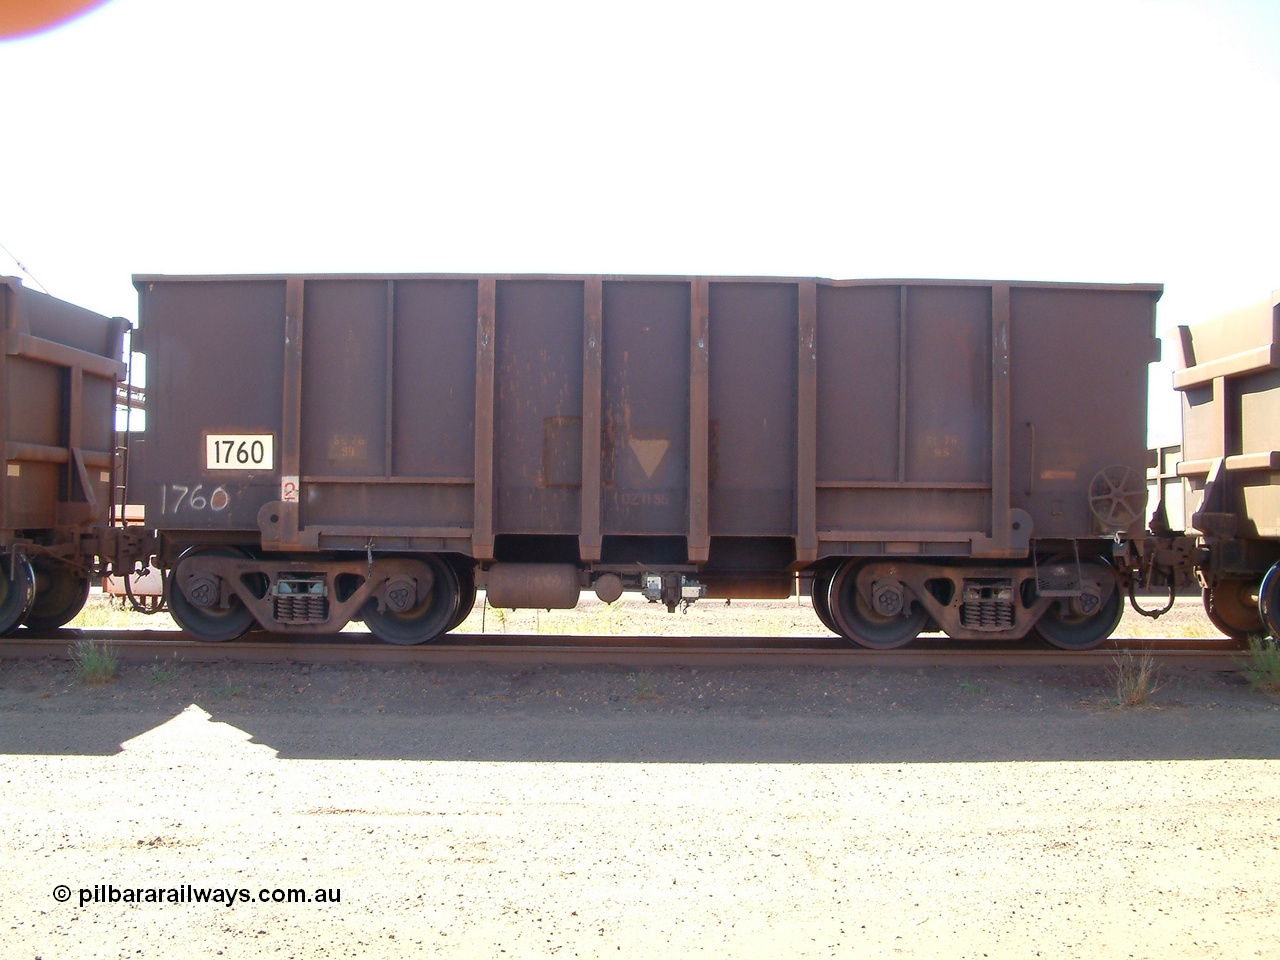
137 646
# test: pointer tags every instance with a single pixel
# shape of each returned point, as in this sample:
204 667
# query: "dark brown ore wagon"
1230 386
917 455
58 377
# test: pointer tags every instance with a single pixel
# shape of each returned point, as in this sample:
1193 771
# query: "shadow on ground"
675 715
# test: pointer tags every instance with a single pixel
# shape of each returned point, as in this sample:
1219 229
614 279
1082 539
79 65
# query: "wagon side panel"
58 375
645 408
904 418
215 370
752 408
1230 388
537 447
387 410
1079 359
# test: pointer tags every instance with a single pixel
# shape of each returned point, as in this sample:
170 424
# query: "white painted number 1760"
175 497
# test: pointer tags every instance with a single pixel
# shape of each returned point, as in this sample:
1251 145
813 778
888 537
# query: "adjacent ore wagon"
1230 385
922 455
58 376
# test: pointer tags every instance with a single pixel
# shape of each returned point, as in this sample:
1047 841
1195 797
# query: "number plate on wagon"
240 451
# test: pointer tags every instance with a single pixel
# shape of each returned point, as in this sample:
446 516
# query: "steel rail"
133 646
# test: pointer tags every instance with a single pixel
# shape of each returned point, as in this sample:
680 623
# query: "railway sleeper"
887 604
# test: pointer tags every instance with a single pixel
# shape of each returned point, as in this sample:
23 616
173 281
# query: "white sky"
1093 141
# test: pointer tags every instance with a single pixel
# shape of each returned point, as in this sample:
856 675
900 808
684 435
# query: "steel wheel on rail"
821 603
17 592
431 614
858 622
466 575
1085 622
194 599
60 595
1233 607
1269 601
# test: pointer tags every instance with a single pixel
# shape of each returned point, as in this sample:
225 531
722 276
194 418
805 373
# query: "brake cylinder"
545 586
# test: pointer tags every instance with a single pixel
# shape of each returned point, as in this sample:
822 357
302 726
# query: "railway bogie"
1070 602
219 592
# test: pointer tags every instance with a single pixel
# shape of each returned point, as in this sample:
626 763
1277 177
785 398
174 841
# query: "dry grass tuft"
645 687
95 662
1261 665
1135 678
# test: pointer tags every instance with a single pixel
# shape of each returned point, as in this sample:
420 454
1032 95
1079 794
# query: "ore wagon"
1230 386
960 456
58 377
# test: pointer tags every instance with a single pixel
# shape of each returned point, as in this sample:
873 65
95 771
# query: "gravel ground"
490 812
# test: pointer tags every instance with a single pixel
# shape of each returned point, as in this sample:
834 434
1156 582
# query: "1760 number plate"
240 451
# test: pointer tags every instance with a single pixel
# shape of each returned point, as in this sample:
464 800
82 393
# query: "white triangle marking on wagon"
649 453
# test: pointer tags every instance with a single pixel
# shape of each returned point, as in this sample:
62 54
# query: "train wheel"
1072 630
60 595
821 602
859 623
433 614
211 623
466 575
17 592
1269 600
1231 607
